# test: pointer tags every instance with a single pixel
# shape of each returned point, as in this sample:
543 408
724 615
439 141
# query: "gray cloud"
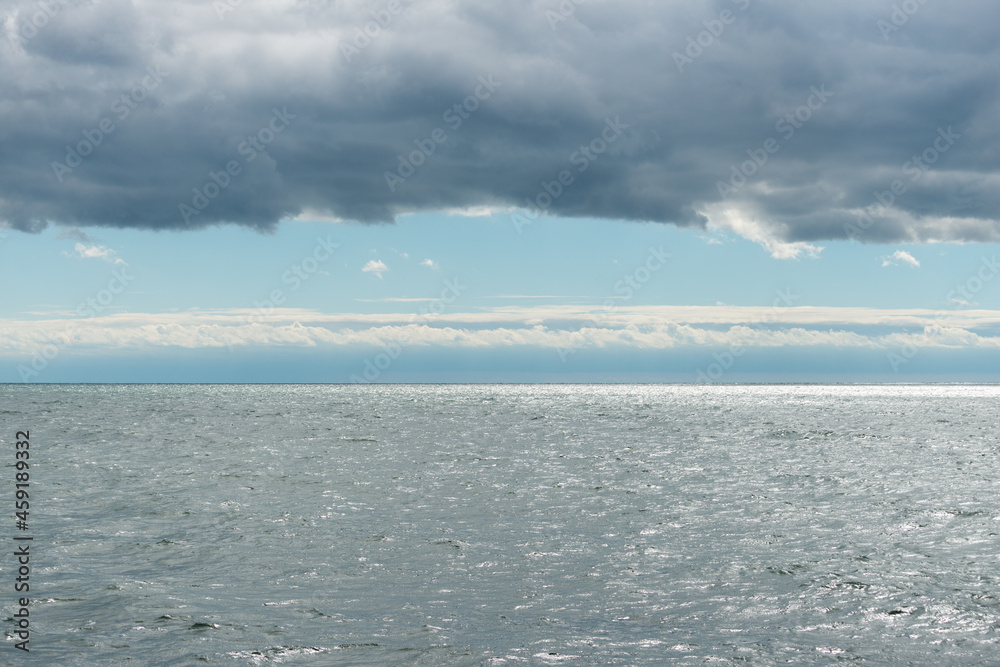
356 111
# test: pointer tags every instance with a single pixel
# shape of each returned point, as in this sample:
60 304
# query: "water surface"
509 525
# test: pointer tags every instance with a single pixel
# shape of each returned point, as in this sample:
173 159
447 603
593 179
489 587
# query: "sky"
528 191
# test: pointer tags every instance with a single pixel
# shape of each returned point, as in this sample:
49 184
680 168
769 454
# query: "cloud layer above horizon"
787 123
561 329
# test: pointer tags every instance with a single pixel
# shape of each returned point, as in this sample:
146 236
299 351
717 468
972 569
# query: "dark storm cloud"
197 113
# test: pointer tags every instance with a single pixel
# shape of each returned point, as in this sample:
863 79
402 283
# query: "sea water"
505 524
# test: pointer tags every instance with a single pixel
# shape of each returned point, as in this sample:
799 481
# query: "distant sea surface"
506 524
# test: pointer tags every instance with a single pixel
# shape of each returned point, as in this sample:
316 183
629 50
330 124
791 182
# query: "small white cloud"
900 256
376 266
429 263
477 211
95 252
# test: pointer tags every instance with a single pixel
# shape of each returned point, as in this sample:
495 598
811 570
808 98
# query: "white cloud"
744 222
429 263
376 266
542 327
478 211
900 256
84 251
116 333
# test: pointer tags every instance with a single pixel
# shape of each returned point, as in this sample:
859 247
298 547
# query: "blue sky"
539 190
183 291
571 260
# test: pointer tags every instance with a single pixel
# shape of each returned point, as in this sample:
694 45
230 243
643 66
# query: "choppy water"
506 525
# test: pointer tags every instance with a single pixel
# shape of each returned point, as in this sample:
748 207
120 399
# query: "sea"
504 524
